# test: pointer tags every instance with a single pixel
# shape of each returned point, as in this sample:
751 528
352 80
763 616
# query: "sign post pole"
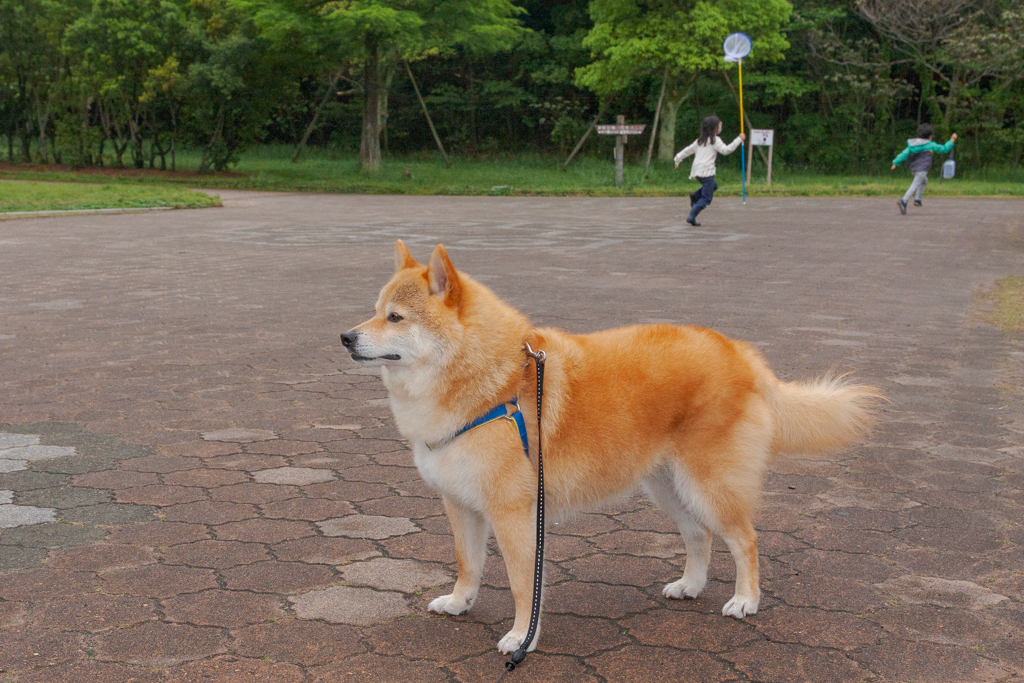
620 141
750 157
621 131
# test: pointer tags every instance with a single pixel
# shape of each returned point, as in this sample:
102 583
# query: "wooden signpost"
761 138
623 131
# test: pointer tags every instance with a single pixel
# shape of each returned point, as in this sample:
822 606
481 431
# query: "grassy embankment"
1006 304
270 168
50 196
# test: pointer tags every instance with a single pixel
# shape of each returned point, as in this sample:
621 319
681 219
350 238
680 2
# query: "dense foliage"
129 82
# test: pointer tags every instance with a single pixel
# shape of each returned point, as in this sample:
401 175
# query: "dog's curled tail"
821 415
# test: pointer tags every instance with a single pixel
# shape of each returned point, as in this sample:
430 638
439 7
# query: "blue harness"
501 412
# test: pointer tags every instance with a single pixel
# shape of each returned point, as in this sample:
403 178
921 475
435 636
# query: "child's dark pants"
704 195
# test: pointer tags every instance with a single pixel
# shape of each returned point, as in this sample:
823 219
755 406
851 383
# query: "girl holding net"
705 150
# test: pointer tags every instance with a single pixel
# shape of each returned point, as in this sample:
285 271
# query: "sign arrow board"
612 129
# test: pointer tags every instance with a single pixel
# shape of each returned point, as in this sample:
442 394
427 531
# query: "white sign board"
762 138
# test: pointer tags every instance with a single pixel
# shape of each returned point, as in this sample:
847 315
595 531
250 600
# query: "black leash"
538 579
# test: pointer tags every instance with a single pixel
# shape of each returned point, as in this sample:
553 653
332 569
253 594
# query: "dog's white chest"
449 471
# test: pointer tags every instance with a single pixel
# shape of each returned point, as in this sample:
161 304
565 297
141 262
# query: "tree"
383 30
859 77
957 43
22 45
246 57
116 47
634 39
163 91
30 53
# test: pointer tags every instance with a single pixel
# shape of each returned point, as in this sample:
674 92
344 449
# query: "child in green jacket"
919 150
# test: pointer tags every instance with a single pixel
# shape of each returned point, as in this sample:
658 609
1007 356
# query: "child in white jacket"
706 149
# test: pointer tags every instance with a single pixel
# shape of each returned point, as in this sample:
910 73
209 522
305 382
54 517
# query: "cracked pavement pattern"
230 500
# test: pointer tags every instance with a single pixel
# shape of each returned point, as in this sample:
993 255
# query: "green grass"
270 168
49 196
1007 297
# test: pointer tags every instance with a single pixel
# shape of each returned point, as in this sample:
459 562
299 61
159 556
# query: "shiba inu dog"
693 417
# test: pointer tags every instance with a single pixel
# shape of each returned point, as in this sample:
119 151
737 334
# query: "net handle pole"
743 146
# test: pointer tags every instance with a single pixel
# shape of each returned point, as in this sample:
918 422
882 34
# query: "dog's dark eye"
394 318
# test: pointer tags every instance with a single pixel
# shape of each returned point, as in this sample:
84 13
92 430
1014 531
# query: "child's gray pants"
916 187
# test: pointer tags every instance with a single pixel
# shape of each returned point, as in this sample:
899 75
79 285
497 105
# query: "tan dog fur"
692 416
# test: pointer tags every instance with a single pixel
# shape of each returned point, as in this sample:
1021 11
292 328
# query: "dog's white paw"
683 588
740 607
511 641
449 604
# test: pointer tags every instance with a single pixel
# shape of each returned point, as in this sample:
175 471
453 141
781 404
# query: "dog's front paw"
683 588
513 639
740 607
449 604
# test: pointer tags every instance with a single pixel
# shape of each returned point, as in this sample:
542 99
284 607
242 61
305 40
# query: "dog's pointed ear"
443 278
403 259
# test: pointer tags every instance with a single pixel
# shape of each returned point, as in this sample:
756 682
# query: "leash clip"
538 356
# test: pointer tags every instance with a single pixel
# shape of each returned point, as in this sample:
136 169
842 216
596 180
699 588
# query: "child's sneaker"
903 206
917 202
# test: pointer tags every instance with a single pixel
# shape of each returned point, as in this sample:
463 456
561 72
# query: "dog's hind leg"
726 508
661 487
470 530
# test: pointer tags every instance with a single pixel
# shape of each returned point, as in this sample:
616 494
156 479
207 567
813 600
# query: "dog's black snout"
348 338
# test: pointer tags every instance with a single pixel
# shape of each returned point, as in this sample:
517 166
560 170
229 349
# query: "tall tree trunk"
369 146
26 130
84 154
384 86
654 126
667 136
953 94
26 138
674 100
471 106
928 94
134 135
921 100
174 134
207 160
43 150
112 132
156 146
44 113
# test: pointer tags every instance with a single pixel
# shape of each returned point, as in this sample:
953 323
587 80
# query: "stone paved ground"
196 484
